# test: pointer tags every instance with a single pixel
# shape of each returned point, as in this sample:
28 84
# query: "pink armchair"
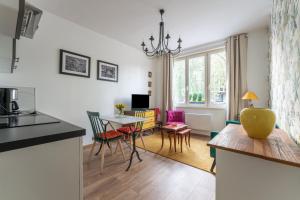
175 117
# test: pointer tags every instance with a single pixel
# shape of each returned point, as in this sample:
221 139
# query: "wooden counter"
278 147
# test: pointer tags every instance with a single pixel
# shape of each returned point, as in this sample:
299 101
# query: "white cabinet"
51 171
8 20
6 53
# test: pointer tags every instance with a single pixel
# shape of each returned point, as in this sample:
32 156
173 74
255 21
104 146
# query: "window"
200 79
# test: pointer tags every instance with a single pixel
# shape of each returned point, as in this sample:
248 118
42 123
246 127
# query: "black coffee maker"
8 101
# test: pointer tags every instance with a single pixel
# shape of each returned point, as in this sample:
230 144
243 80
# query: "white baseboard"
201 132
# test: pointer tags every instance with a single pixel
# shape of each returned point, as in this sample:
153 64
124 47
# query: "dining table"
130 121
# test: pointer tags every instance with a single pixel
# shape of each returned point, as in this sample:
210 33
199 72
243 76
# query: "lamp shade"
250 96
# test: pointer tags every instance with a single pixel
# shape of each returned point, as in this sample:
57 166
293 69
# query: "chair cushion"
127 129
110 135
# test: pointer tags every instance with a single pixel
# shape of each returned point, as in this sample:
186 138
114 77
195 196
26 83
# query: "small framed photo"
149 84
149 74
74 64
149 92
107 71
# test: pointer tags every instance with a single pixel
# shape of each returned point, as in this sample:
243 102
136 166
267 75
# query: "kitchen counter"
42 161
25 136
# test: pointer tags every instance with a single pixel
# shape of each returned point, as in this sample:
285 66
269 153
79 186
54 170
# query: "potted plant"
120 107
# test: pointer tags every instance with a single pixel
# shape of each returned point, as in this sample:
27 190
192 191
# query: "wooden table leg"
189 139
162 139
175 141
170 140
181 143
186 143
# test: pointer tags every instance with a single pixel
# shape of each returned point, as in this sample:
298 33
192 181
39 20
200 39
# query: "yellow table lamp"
250 96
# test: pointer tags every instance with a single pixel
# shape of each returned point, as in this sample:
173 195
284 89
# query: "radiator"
199 122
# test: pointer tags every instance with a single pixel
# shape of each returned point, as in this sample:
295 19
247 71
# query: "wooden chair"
186 133
102 136
138 127
158 122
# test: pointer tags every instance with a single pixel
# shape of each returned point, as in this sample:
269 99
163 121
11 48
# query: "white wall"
69 97
258 66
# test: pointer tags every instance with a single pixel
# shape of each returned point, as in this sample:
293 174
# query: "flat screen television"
139 101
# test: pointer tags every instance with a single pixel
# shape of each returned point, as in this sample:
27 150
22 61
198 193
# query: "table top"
174 128
26 136
278 147
122 119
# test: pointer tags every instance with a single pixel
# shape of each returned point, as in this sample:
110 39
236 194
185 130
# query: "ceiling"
195 21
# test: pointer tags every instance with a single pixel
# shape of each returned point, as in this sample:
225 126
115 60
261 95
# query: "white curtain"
236 48
167 103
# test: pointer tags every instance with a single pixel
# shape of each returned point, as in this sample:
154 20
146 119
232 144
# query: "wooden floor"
155 178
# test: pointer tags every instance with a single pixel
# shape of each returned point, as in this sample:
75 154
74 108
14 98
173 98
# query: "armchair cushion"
232 122
174 123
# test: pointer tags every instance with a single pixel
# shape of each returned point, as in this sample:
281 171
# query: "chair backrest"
157 114
175 116
142 115
96 123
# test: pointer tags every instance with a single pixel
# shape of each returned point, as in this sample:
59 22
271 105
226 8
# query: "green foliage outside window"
196 98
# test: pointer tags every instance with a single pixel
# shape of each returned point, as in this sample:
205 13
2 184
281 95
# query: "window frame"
206 54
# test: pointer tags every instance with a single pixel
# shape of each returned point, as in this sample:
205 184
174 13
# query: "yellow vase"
258 122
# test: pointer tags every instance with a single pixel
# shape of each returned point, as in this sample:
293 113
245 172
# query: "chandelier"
163 42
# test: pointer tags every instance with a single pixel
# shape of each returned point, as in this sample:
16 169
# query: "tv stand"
149 124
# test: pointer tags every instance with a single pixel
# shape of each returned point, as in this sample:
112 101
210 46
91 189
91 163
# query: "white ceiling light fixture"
163 42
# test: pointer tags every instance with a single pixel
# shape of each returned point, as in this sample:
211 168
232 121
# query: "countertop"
26 136
278 147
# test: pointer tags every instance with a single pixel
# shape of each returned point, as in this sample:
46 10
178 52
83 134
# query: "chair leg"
213 166
102 159
186 143
111 151
91 152
117 147
121 148
141 136
178 138
181 138
96 154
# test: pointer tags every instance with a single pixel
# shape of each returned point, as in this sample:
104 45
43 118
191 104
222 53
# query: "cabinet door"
6 49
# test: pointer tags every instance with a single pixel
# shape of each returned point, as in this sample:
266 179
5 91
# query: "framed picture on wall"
74 64
107 71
